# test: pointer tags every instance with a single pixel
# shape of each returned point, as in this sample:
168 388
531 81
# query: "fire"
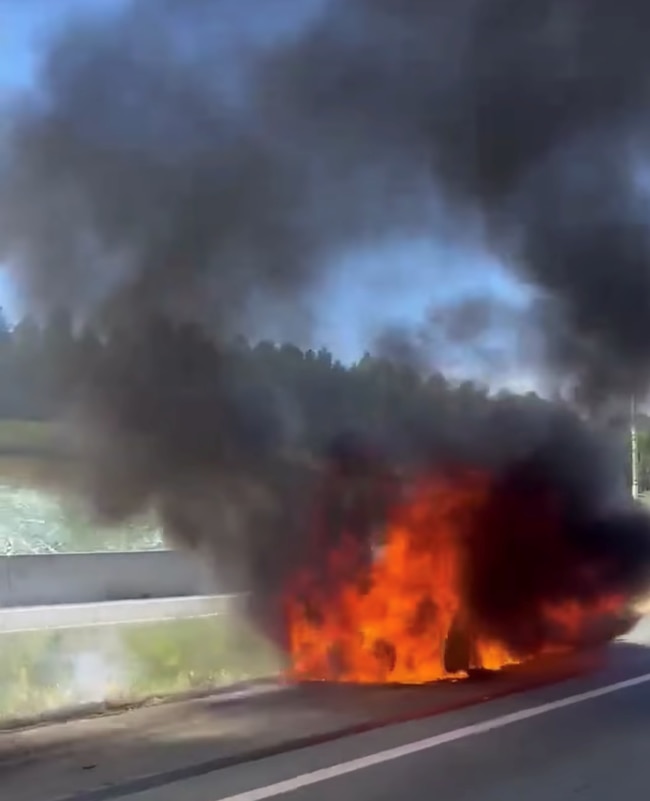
400 616
391 622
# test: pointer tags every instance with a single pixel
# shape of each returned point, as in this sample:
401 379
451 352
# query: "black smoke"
213 182
177 191
532 120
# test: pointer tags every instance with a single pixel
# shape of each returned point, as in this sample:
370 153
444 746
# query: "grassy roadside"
42 671
31 436
33 453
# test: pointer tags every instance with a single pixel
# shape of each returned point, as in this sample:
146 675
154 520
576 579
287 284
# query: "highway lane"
586 738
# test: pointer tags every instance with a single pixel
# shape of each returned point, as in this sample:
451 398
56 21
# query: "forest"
302 399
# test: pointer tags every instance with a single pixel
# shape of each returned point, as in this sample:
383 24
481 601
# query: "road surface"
583 738
555 745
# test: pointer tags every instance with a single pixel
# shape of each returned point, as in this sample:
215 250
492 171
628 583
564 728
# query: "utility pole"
634 447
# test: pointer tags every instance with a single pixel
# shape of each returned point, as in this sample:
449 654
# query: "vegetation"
644 457
45 670
30 436
305 398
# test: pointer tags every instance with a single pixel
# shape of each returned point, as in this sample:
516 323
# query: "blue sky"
367 293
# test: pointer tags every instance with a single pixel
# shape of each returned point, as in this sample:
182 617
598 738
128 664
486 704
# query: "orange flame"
390 620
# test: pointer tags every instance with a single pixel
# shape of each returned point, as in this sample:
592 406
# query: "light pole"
634 448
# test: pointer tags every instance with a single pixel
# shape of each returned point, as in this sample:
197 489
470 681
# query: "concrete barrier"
112 613
47 579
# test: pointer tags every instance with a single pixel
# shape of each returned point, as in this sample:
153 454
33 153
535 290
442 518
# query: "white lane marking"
343 768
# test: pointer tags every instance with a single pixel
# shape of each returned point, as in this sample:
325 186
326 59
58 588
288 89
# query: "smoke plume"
178 191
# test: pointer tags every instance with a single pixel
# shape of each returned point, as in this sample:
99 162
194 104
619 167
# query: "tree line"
315 394
44 364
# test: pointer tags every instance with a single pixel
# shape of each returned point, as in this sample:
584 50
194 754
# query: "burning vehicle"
473 573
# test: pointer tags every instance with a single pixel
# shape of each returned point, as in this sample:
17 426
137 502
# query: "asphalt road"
586 738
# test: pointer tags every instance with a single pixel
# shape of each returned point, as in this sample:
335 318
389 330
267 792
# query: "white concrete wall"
111 613
95 577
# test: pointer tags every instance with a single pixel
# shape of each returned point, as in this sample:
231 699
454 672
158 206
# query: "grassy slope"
31 452
45 670
35 474
30 436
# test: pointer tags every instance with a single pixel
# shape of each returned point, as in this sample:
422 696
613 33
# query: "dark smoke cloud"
197 178
532 118
157 178
478 334
564 552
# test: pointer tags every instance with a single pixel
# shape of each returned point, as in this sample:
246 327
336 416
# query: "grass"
31 436
37 514
33 453
41 671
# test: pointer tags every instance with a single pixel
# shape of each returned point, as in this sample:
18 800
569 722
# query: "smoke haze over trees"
297 402
310 395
